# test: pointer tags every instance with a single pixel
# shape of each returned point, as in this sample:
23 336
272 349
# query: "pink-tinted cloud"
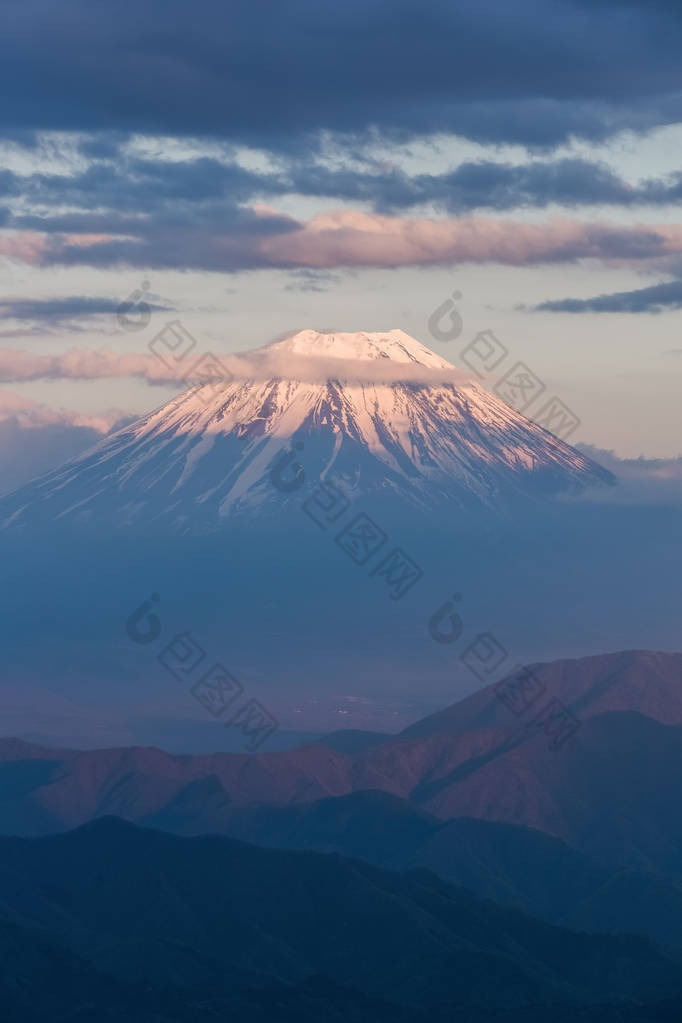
30 414
350 238
25 247
263 364
80 364
35 438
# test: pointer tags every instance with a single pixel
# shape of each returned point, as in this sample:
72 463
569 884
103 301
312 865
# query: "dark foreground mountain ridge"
111 909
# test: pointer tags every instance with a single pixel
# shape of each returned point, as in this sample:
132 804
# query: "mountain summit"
374 413
393 344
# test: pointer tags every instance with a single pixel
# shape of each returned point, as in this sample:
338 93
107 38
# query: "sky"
248 169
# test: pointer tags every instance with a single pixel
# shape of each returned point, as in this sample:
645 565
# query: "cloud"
206 213
532 72
350 238
482 184
81 364
77 313
311 280
641 480
479 184
30 414
26 247
35 438
126 188
654 299
59 309
260 365
136 187
266 364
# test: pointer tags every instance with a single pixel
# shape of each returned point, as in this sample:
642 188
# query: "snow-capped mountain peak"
391 344
377 413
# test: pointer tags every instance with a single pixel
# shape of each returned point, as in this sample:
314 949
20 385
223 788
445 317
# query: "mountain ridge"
213 914
505 772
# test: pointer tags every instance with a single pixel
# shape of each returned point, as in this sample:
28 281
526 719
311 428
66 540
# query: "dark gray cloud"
126 189
482 184
569 182
132 197
654 299
485 184
213 214
536 71
104 145
135 184
305 280
56 310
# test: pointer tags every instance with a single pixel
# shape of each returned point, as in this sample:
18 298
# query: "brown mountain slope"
612 791
645 681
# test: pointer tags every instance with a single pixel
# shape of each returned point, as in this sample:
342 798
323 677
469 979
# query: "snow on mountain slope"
375 412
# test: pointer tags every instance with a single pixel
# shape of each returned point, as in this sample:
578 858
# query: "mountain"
215 918
376 414
517 866
646 681
610 792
